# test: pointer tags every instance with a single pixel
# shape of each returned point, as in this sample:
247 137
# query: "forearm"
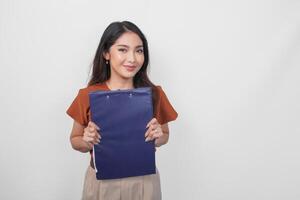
80 145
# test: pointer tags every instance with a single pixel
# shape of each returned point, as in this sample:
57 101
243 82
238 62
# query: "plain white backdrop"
230 68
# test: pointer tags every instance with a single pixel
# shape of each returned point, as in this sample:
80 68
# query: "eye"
140 51
122 50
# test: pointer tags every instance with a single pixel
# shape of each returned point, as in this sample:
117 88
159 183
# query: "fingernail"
148 124
147 139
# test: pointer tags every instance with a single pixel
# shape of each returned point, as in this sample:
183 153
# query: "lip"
129 67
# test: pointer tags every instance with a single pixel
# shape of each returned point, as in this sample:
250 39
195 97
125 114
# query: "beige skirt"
132 188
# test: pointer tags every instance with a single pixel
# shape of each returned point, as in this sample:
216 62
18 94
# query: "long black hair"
101 71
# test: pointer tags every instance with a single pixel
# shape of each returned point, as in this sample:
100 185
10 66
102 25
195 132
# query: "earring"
106 62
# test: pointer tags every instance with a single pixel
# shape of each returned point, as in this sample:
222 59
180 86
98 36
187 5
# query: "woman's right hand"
91 134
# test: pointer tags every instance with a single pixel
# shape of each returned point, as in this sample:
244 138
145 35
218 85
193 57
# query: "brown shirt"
79 110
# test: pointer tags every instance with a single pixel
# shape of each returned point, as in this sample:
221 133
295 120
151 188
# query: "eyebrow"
123 45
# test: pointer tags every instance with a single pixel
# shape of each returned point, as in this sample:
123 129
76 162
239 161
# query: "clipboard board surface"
122 116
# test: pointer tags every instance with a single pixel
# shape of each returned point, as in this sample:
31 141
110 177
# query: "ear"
106 55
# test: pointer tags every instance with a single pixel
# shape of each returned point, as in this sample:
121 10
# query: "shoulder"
158 88
84 92
164 111
159 91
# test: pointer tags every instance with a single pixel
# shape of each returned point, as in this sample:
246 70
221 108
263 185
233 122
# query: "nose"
131 57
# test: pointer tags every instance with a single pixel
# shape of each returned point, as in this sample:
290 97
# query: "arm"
165 137
158 132
83 138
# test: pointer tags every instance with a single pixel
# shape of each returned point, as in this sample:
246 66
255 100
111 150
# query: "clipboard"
122 116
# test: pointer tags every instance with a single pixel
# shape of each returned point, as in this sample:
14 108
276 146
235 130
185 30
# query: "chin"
127 76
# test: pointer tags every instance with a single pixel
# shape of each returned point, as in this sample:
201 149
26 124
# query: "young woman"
120 62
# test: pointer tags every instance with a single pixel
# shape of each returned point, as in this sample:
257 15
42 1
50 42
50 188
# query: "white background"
230 68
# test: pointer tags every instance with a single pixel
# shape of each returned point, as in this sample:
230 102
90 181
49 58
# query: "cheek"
141 59
116 61
118 57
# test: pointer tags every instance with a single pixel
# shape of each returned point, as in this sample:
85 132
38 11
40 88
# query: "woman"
120 62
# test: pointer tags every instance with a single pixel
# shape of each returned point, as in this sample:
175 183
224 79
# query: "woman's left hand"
154 130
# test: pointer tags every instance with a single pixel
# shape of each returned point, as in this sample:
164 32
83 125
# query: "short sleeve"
79 109
164 111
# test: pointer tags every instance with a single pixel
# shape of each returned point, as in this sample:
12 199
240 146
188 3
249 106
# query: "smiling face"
126 56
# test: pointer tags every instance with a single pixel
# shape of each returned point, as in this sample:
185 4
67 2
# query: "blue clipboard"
122 116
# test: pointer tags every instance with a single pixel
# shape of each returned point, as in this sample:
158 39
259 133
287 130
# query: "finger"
92 129
90 145
96 141
88 139
96 126
153 120
92 140
150 129
147 132
153 134
97 136
90 134
151 126
154 126
94 136
149 137
93 125
157 133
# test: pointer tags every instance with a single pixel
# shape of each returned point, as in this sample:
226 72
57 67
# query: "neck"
121 84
